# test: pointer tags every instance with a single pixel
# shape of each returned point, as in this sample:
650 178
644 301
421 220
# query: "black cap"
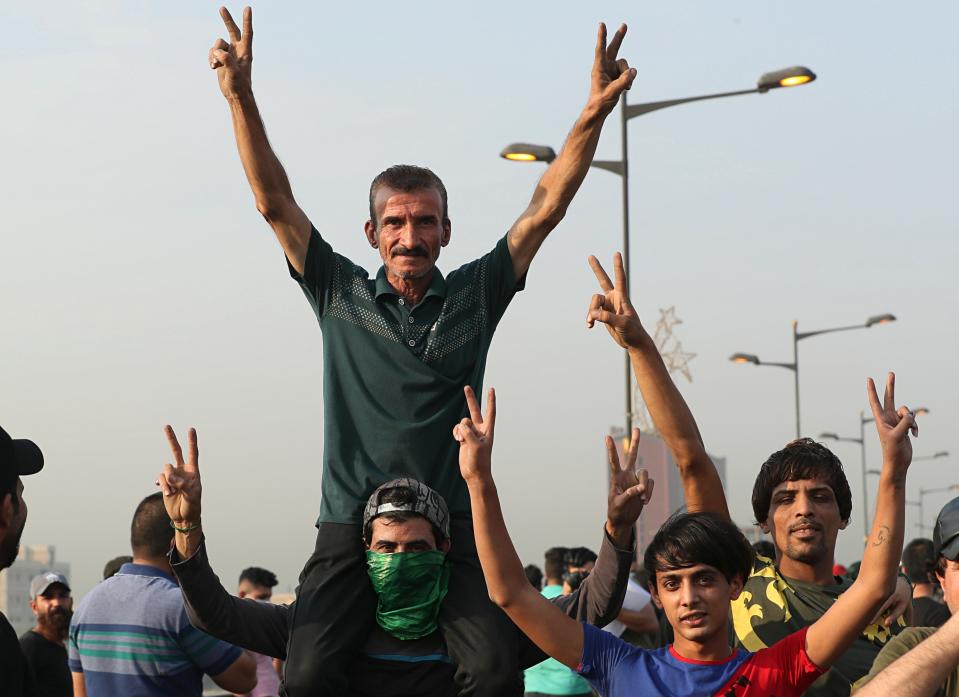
19 457
945 535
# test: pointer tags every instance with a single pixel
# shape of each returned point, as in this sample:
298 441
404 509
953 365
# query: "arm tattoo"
881 536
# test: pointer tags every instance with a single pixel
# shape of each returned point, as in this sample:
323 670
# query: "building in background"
15 583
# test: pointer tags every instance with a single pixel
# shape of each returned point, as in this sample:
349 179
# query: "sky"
139 286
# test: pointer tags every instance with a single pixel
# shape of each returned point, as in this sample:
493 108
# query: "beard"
10 545
56 621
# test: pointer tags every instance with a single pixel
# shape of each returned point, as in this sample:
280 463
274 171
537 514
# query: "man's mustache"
401 251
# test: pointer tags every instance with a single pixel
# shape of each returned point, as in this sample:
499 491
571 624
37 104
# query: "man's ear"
370 229
447 231
6 511
843 524
33 605
735 587
445 546
764 525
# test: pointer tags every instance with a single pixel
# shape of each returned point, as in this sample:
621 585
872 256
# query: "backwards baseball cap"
40 584
945 535
425 502
19 457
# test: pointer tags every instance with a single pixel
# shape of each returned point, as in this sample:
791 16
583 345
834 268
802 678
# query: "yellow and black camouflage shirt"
771 607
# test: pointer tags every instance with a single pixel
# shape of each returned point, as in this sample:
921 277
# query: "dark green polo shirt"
393 375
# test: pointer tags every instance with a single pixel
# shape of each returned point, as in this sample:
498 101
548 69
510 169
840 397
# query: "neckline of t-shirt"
675 654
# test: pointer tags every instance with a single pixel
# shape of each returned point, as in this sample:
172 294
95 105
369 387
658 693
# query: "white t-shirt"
636 599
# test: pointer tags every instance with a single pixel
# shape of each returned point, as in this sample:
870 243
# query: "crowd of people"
414 587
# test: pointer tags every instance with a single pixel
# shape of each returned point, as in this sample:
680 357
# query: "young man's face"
696 600
950 585
395 537
804 521
248 589
410 230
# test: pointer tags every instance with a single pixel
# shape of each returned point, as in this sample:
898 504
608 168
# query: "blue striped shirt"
130 636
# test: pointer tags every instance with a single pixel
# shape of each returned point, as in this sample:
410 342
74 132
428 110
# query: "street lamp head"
744 358
880 319
829 436
526 152
921 411
787 77
941 453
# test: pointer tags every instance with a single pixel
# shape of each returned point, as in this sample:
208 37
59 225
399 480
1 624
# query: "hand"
233 62
180 484
897 605
611 76
892 425
629 489
475 436
613 308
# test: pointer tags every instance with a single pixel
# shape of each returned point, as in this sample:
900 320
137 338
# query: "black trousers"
336 609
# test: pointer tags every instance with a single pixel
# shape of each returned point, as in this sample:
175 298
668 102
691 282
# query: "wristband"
191 527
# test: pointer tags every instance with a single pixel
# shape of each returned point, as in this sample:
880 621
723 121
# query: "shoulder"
906 640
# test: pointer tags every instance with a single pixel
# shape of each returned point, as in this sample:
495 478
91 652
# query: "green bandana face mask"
410 587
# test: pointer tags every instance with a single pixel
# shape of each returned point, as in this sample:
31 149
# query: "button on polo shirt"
393 374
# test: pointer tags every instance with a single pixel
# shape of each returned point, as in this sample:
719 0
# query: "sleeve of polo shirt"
210 655
501 282
73 652
317 272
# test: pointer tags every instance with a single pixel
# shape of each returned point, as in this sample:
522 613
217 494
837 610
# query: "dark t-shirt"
15 679
771 607
393 375
48 663
926 612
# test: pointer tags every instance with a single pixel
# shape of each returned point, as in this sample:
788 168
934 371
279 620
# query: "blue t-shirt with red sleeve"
617 669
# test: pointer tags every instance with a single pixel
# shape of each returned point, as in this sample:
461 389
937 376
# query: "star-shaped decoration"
677 360
667 320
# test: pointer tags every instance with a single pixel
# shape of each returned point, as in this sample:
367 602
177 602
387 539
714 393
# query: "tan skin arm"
556 634
610 77
829 637
702 485
79 687
233 63
240 677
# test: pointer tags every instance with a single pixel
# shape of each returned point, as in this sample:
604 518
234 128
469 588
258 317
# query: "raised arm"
611 76
250 624
829 637
599 598
922 671
233 62
702 486
547 626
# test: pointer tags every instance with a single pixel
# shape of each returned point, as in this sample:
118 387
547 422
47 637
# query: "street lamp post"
799 336
526 152
861 440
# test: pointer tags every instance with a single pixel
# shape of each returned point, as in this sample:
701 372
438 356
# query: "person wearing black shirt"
44 645
17 458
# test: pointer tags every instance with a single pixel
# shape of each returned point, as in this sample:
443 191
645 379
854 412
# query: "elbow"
501 598
271 207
